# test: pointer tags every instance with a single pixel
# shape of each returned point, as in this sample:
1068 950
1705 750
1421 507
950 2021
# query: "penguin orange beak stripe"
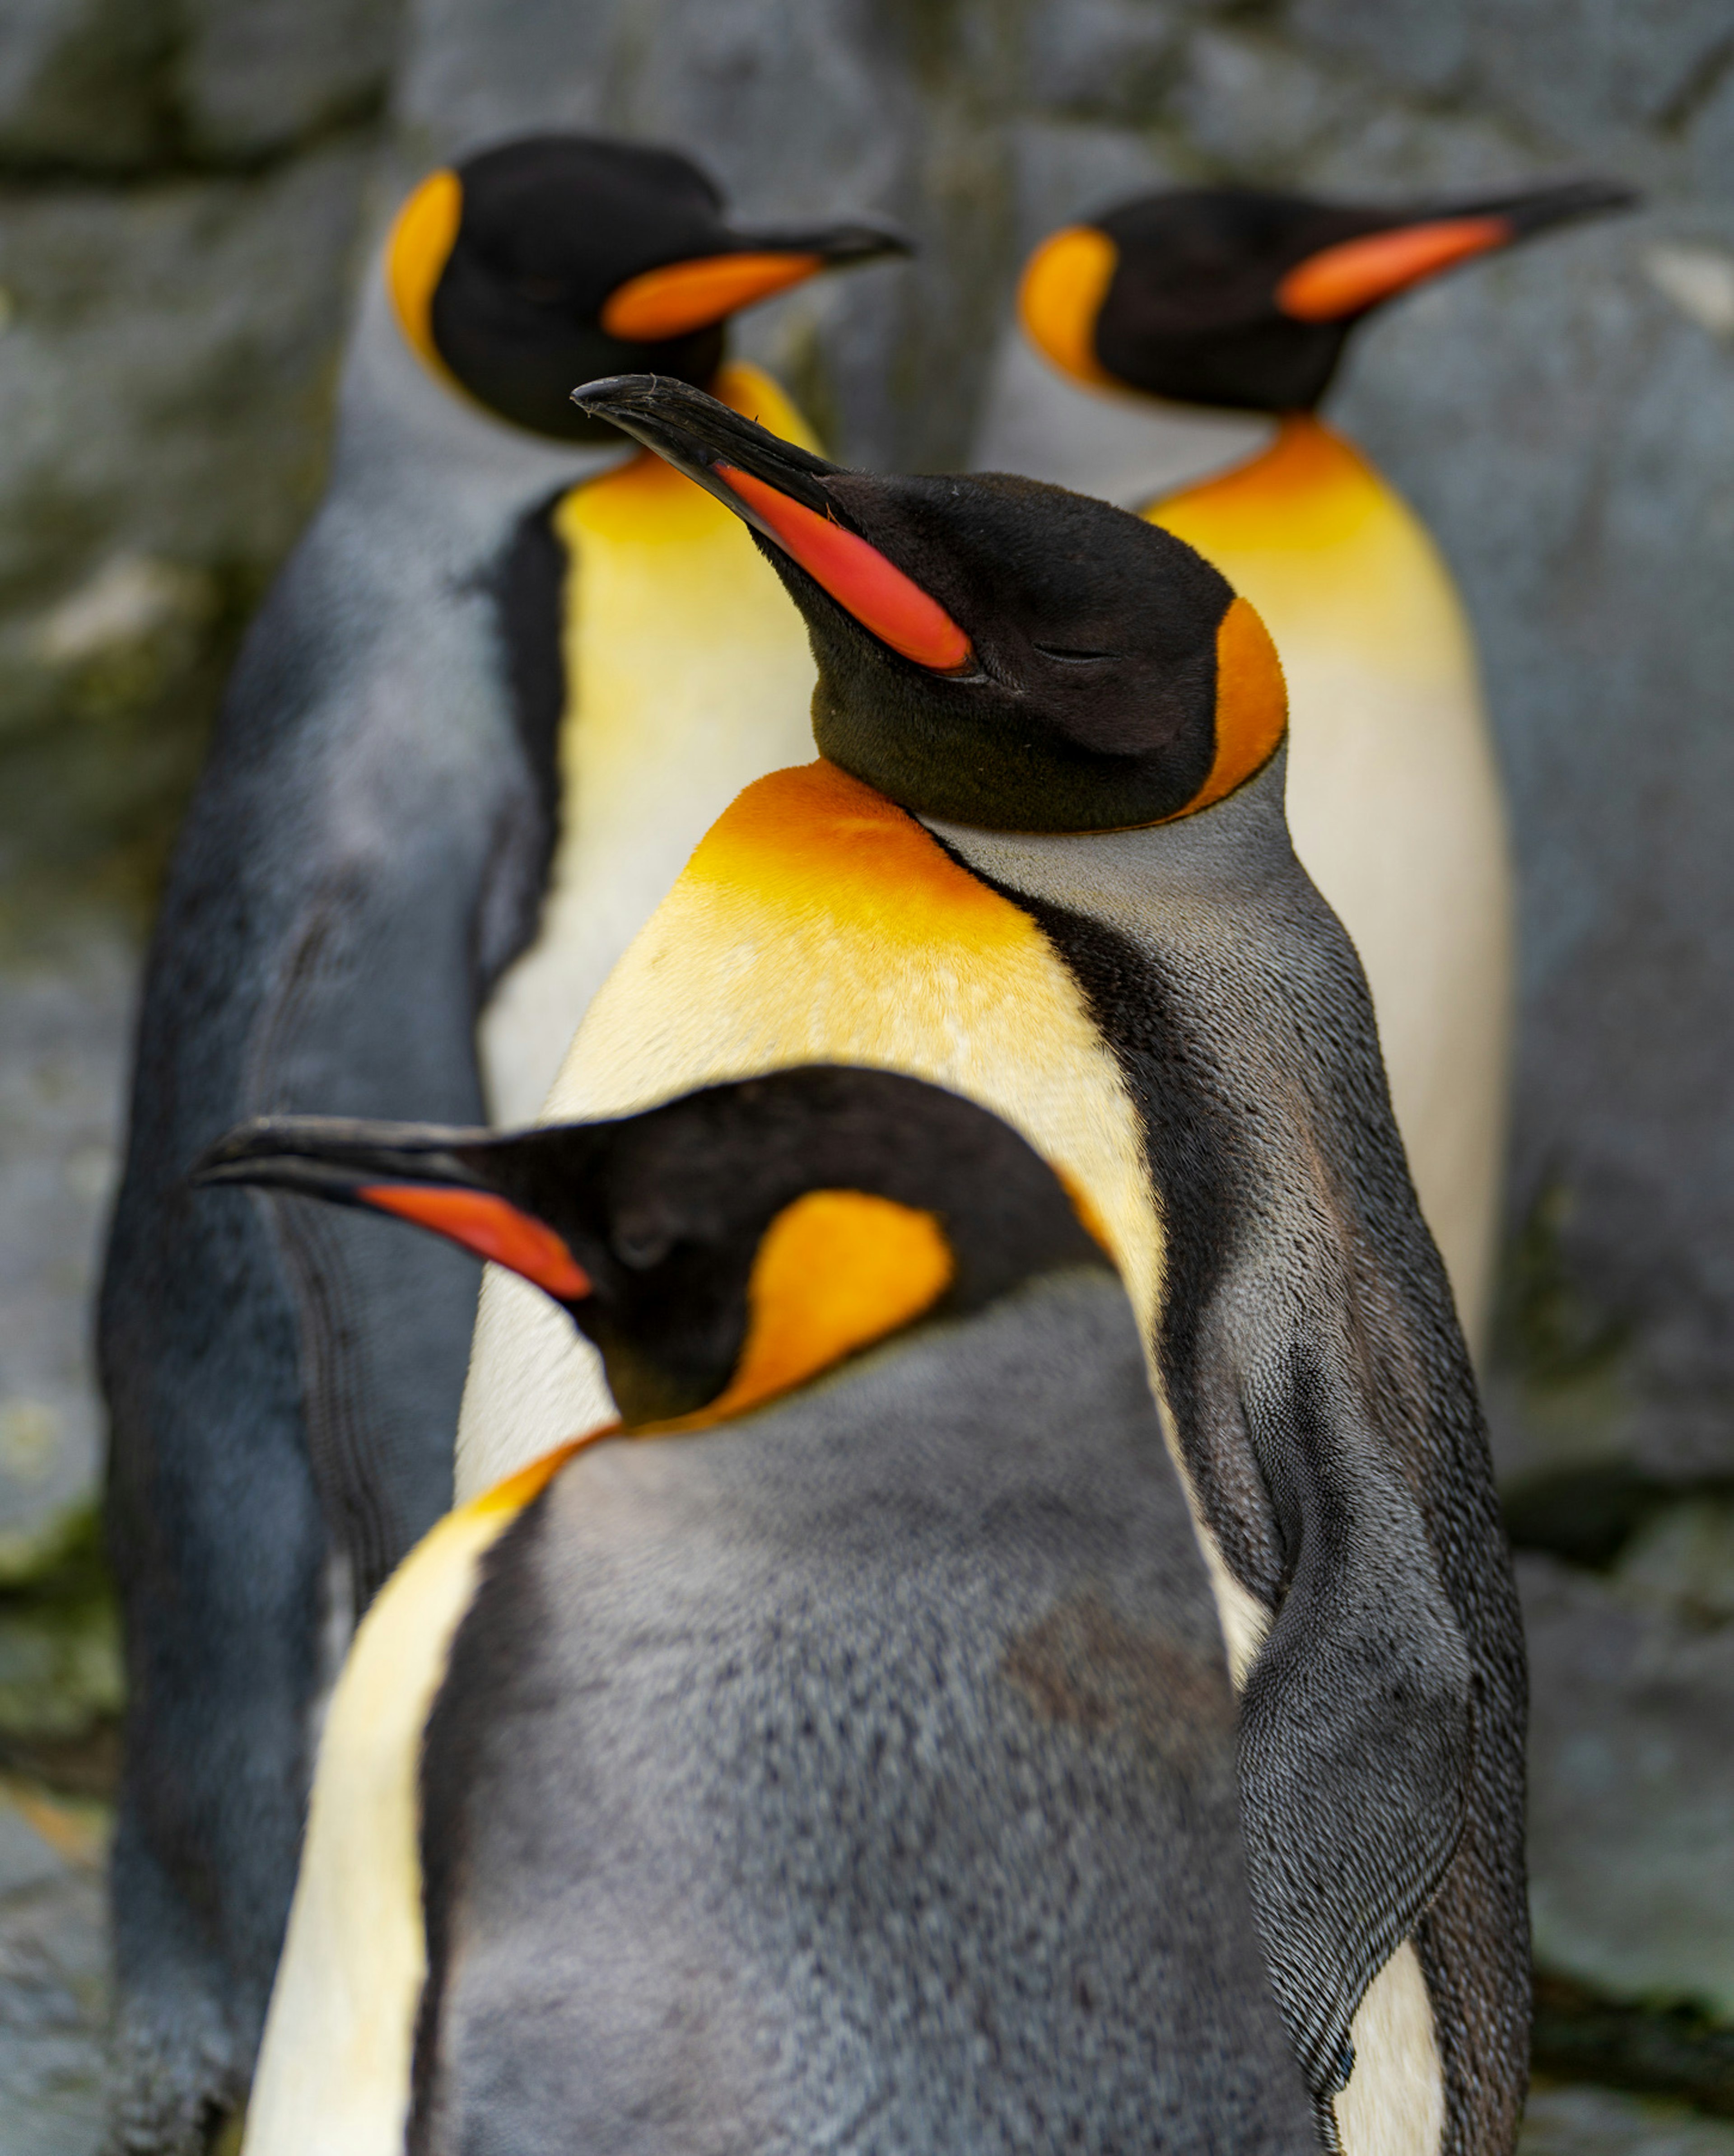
691 295
1348 279
489 1227
892 606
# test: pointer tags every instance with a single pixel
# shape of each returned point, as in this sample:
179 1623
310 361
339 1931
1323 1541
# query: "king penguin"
461 757
1185 341
1043 862
846 1735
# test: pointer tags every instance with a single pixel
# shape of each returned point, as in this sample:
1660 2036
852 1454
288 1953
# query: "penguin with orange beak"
845 1734
460 759
1042 862
1173 355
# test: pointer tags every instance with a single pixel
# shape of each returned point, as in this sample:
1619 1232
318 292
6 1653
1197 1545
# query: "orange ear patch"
836 1270
489 1227
691 295
1060 295
894 607
1346 280
1252 704
416 255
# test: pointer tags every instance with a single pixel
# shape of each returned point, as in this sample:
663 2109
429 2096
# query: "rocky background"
188 192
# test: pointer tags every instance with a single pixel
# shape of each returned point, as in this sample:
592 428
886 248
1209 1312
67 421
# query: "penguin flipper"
1358 1718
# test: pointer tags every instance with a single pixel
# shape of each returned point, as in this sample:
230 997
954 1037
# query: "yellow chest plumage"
1394 796
688 675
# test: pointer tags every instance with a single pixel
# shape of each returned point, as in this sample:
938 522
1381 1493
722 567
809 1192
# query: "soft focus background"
188 192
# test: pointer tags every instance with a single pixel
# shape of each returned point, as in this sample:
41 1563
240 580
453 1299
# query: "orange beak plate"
1346 279
684 296
894 607
489 1227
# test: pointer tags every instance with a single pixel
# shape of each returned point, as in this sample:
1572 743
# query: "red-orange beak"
408 1170
779 490
677 298
1344 280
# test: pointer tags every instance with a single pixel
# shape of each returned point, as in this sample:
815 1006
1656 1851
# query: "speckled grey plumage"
860 1776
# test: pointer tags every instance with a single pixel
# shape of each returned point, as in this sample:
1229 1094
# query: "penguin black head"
555 258
1227 296
727 1246
990 651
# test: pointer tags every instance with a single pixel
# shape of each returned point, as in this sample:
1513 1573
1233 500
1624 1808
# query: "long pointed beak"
700 437
416 1172
1530 210
679 297
1344 280
780 491
328 1156
837 246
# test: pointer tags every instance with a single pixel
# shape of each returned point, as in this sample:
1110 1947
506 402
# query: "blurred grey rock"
65 1017
1631 1792
254 76
1103 59
1681 1560
81 83
54 1986
1593 2122
164 374
1247 100
1592 550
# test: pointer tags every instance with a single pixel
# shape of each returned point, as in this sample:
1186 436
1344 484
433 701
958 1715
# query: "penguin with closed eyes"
459 761
1042 861
839 1750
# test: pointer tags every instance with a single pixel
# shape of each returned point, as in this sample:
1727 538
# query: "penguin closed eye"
990 649
554 258
709 1780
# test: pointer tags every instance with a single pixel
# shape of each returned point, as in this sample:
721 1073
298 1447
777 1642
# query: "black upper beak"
694 434
330 1156
1537 209
838 245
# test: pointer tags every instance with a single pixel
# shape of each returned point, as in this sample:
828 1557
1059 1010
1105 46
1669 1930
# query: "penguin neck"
1117 445
407 439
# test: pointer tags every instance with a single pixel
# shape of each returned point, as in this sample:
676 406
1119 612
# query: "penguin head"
991 650
1232 297
728 1246
557 257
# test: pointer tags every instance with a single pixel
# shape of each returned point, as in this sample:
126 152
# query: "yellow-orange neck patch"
1252 704
1060 295
683 296
836 1270
421 242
